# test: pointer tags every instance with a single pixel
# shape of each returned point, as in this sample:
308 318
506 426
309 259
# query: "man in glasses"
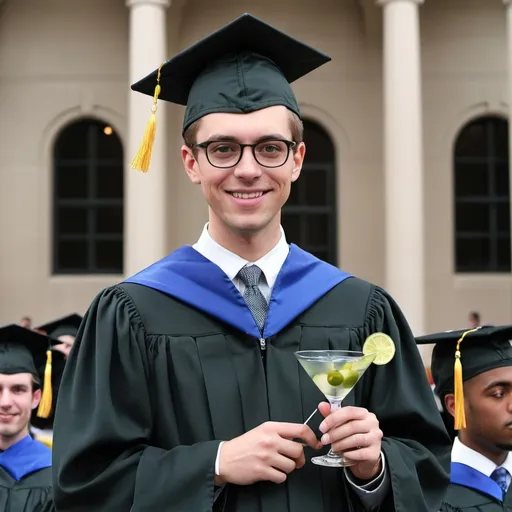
183 392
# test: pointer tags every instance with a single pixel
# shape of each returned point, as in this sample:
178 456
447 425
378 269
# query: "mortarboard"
463 354
245 66
26 351
66 325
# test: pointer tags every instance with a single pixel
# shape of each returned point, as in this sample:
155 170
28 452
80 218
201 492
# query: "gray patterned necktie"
250 276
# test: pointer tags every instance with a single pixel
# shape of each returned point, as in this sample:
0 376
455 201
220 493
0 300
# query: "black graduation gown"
156 382
460 498
33 493
471 491
26 478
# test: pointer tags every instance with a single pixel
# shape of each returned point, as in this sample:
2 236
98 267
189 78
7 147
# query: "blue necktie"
499 475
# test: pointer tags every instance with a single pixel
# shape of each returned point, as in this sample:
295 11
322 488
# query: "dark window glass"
482 197
309 216
88 199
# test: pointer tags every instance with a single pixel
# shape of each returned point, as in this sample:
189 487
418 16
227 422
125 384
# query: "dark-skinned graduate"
25 385
182 392
472 372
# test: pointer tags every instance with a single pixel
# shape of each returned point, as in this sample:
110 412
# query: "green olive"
350 377
335 378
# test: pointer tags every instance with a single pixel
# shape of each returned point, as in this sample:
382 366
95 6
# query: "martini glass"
335 373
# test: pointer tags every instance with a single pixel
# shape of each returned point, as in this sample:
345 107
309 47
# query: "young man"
25 463
477 396
183 393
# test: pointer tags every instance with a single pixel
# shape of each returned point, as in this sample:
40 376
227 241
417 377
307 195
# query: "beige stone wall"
75 62
465 75
58 60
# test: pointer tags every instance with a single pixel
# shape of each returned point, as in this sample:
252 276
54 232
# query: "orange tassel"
142 159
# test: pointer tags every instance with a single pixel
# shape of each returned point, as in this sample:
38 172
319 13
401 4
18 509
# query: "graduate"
472 371
62 329
25 463
183 393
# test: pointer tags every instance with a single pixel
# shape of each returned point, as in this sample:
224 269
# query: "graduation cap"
67 325
26 351
461 355
245 66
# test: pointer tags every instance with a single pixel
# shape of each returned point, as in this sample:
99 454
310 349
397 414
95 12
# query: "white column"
145 193
508 3
403 157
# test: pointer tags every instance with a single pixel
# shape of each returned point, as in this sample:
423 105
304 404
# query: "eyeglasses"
269 153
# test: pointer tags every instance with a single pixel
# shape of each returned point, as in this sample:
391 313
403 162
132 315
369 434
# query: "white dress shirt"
372 493
465 455
231 264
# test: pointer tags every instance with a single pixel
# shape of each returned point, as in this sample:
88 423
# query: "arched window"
88 199
482 196
309 216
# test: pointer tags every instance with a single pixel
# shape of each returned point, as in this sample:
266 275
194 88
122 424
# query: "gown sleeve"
102 453
415 443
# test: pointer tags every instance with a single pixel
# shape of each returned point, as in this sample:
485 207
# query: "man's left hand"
354 432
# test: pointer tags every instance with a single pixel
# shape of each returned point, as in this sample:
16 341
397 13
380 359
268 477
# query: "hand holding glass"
335 373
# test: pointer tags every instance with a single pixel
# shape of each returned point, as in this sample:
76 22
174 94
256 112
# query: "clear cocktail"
335 373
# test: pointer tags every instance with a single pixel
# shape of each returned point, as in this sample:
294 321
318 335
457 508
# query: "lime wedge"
362 364
382 346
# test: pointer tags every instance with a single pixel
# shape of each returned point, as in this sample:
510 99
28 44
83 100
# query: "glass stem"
335 405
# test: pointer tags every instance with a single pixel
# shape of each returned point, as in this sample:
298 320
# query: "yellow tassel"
143 157
48 441
45 405
460 415
458 386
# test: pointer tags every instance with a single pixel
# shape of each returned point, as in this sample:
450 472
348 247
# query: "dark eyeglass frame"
204 145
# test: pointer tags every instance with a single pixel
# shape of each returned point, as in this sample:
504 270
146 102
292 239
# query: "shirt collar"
230 263
465 455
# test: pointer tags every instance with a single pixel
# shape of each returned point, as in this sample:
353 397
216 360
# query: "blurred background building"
406 181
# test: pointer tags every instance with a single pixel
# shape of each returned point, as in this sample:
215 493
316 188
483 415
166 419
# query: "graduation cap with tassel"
27 351
244 66
463 354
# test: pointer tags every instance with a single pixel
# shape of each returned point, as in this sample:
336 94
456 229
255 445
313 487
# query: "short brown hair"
296 127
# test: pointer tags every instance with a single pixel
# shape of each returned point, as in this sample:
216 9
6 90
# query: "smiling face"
488 408
17 400
246 198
